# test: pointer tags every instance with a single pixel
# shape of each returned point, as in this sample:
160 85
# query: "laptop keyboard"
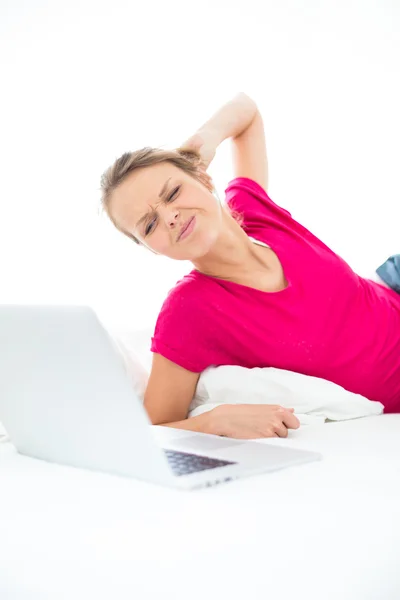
183 463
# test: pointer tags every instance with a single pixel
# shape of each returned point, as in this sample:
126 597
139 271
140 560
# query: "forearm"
202 423
230 120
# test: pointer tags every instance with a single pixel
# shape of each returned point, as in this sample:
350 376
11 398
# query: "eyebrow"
160 195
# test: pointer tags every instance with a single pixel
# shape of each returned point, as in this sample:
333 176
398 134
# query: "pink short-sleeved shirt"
329 322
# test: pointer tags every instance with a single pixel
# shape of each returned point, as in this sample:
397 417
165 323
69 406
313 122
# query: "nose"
171 218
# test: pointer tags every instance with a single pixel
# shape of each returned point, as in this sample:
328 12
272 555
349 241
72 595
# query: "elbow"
158 416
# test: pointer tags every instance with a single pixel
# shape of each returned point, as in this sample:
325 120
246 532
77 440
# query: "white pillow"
309 396
133 346
3 432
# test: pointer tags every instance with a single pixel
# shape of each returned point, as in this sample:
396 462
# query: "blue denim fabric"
390 272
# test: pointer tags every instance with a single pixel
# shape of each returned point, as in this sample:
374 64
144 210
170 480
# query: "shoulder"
182 296
183 324
247 196
183 330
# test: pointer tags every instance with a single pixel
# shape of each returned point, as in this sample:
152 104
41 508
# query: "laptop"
65 397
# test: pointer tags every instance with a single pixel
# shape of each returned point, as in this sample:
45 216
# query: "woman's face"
155 203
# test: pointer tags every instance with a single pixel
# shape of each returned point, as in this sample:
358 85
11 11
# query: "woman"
264 290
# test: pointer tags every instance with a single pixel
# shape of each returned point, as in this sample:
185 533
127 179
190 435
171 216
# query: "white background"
84 81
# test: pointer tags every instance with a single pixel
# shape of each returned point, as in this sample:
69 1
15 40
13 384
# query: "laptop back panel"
65 396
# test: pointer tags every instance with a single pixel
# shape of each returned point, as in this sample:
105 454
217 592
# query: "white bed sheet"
320 531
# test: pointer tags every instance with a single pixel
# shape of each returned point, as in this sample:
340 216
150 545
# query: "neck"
231 255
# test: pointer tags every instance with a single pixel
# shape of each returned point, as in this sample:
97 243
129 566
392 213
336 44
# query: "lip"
187 228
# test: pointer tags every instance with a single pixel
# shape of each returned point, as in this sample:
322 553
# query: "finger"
290 420
280 430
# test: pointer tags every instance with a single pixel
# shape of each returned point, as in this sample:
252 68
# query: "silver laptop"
65 397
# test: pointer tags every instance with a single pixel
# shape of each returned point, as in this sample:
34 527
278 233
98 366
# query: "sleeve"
247 197
179 331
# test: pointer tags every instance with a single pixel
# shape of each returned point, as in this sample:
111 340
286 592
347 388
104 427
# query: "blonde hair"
187 161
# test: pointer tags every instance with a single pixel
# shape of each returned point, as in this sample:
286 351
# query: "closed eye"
169 199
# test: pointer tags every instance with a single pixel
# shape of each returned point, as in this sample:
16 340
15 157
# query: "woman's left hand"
203 144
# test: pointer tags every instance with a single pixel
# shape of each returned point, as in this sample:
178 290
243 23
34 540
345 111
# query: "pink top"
329 322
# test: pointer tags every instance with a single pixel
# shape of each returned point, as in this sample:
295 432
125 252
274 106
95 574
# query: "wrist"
230 120
210 135
216 417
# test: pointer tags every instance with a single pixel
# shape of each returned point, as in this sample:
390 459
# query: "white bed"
324 530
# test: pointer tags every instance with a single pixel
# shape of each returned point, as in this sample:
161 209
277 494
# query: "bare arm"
202 423
169 392
230 120
168 396
171 389
240 120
